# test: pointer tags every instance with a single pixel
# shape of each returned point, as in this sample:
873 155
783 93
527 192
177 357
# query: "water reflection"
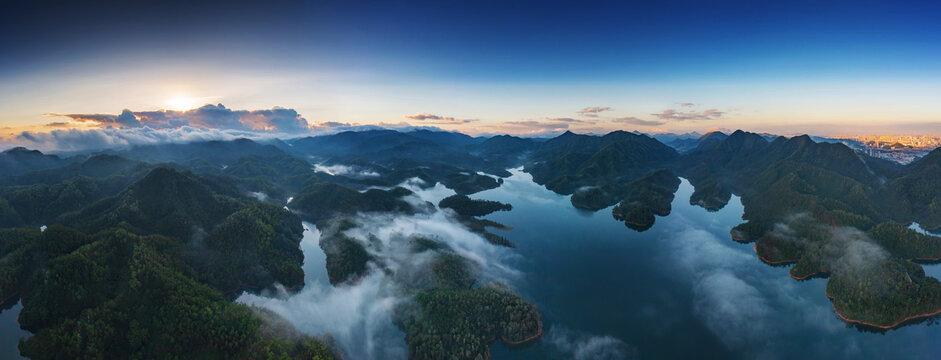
682 289
10 332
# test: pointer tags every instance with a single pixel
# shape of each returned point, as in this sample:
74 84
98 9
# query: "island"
645 197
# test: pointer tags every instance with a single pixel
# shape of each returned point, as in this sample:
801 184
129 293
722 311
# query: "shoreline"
892 326
513 343
620 217
782 262
739 239
526 340
788 262
8 298
636 223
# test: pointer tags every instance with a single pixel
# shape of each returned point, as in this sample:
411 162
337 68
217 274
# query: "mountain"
216 151
389 148
915 195
670 137
351 142
445 138
502 145
569 161
99 166
41 196
735 163
710 139
20 160
165 201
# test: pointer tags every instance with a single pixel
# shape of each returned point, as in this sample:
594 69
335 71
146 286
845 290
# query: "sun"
181 103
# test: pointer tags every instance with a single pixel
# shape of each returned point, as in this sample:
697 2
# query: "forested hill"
806 203
815 204
149 272
150 244
19 160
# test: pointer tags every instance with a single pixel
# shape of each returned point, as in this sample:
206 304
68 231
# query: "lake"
682 289
10 332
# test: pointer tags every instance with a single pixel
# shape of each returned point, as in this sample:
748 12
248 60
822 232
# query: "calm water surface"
682 289
10 332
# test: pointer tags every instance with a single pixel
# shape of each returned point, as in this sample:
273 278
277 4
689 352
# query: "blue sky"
788 67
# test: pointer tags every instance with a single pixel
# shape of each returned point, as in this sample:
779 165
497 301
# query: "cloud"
529 127
331 125
124 120
848 250
210 116
593 111
358 315
744 302
345 170
674 115
582 346
94 139
565 119
438 119
59 124
639 122
731 308
686 104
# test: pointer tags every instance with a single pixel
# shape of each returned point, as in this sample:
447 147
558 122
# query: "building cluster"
899 148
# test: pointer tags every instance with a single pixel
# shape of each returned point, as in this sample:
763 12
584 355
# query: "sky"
480 67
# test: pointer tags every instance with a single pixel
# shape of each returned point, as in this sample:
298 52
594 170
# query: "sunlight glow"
181 103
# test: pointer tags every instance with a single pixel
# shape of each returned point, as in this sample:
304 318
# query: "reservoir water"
682 289
10 332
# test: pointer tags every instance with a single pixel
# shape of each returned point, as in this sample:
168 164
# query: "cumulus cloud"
217 116
593 111
675 115
637 121
438 119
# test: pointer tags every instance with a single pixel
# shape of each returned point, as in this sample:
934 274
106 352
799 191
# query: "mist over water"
359 315
681 289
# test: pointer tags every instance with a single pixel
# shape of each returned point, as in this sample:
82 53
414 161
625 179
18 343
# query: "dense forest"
455 317
466 206
126 276
832 213
469 212
142 250
645 197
